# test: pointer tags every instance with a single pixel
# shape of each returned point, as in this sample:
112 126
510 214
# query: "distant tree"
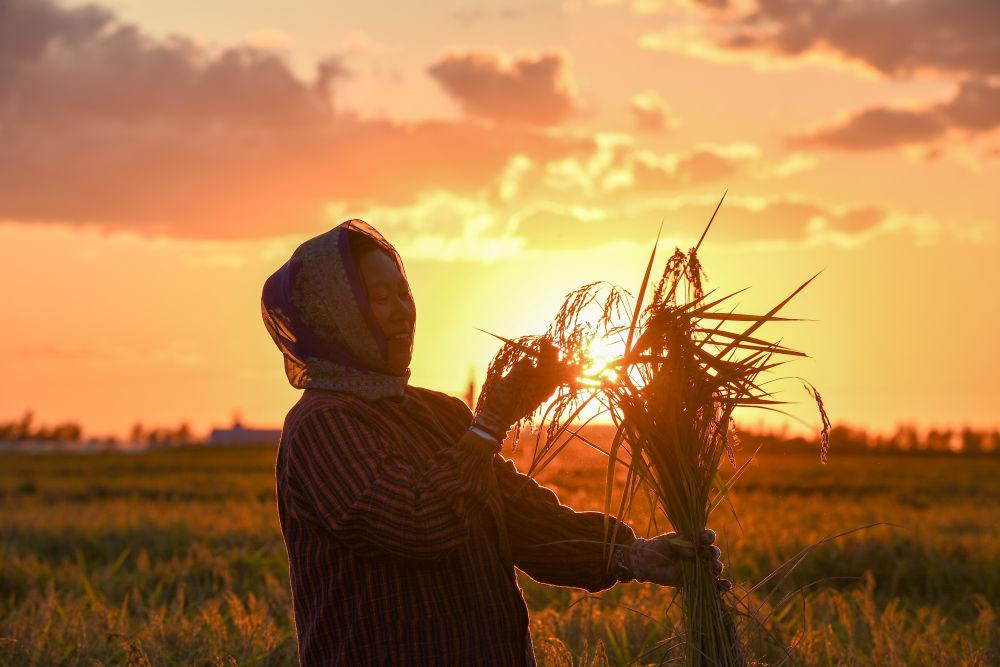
992 443
937 440
846 438
22 431
67 432
973 441
905 437
882 442
931 441
137 433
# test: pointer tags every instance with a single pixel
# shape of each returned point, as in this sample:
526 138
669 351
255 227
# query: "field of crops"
174 557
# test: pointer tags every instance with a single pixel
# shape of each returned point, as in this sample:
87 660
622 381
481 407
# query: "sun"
599 358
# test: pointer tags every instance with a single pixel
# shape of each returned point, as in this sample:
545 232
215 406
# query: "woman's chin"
398 356
398 365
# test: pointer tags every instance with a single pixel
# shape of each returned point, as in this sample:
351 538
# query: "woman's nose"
403 308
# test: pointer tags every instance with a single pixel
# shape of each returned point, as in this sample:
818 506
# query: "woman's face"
392 305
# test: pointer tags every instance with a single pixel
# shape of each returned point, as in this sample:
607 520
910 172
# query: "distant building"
238 434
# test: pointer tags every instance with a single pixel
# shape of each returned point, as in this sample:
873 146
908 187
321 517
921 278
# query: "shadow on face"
392 305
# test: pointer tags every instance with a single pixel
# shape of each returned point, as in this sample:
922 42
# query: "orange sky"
162 159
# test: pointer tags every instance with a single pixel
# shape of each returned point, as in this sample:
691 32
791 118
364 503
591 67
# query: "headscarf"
316 309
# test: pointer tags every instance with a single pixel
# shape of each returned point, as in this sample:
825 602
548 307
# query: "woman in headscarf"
402 523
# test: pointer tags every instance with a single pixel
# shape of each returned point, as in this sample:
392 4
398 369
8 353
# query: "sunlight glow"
600 357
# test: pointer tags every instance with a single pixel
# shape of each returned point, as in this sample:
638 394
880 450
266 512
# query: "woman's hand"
655 560
519 393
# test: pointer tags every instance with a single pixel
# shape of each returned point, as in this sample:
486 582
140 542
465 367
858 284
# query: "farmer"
402 524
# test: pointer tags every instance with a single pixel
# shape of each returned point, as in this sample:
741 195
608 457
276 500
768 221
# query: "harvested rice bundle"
669 376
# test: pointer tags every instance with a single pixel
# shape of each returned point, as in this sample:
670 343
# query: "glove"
519 393
656 560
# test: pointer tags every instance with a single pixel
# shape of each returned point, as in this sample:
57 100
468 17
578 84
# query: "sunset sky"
158 160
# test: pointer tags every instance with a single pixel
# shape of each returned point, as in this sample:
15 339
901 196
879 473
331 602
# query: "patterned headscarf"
316 309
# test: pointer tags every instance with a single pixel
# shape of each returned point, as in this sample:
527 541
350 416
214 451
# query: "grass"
174 558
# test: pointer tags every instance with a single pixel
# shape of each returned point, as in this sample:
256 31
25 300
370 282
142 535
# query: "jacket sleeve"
553 543
346 478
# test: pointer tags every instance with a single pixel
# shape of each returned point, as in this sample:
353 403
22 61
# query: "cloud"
956 39
896 38
877 127
547 225
974 109
976 106
794 163
528 90
80 65
652 114
441 226
780 219
531 212
105 125
704 164
616 193
616 169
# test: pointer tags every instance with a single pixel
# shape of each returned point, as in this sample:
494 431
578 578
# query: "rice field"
173 557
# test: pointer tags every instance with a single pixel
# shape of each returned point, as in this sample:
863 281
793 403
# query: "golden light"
601 355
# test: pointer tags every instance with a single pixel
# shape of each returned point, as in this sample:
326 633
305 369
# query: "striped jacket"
402 545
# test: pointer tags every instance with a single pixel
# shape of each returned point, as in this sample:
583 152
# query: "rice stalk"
669 372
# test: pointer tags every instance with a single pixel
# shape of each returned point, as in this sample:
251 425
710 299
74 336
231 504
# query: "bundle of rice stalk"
670 377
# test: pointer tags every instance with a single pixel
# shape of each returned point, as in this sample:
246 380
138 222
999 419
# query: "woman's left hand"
655 560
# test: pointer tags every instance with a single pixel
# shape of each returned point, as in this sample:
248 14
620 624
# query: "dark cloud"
876 128
528 90
28 27
975 108
897 38
103 124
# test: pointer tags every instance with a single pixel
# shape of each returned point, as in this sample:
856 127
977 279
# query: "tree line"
25 428
843 437
904 438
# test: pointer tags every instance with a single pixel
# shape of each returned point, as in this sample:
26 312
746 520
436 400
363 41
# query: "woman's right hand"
519 393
